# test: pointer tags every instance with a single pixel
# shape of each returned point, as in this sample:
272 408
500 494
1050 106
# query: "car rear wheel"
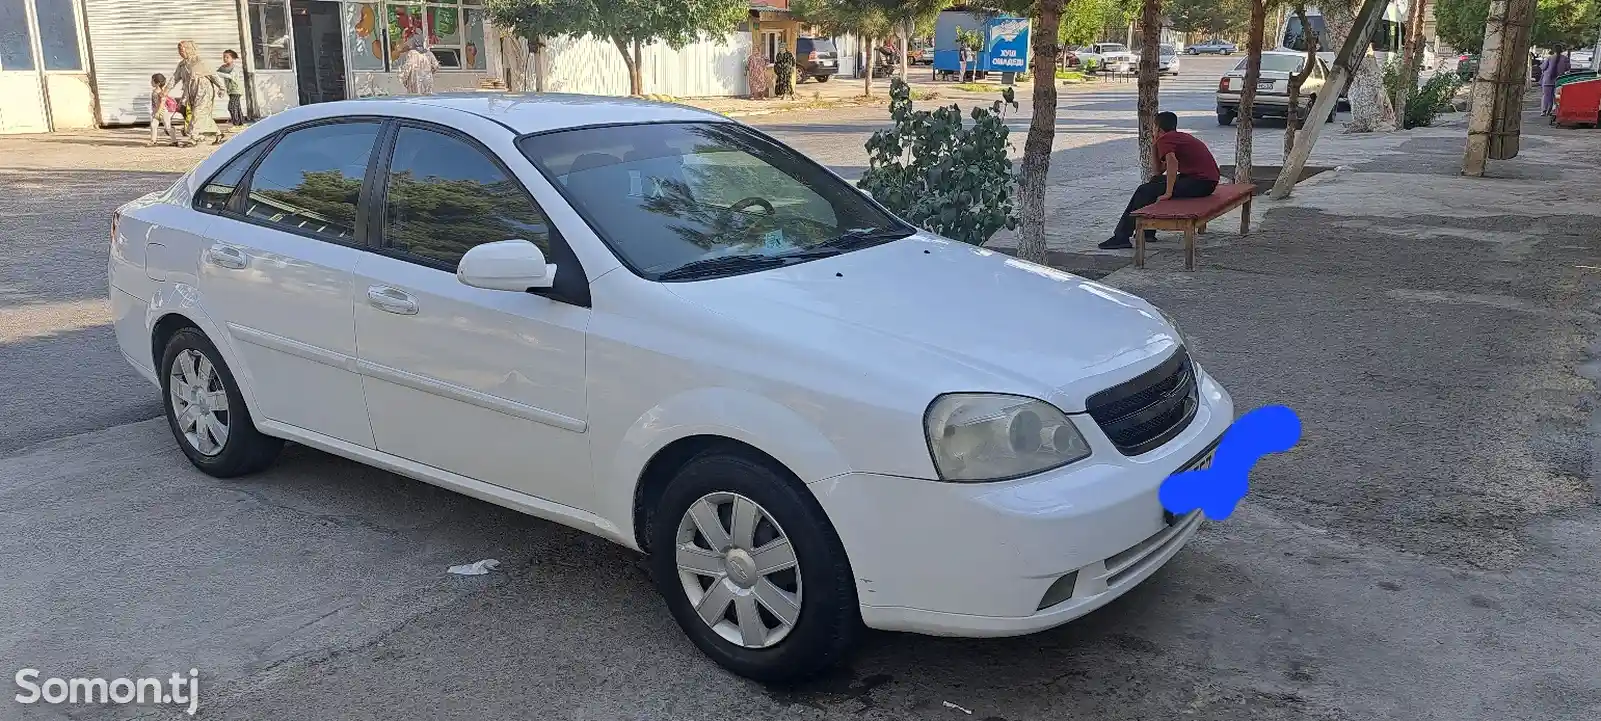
206 412
751 569
1225 117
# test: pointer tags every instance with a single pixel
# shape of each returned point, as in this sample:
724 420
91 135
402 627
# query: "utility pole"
1497 115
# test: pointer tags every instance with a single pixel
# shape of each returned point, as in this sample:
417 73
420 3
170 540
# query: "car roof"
540 112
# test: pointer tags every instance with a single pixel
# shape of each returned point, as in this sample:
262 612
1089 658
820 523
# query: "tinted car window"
213 196
664 195
818 44
445 196
311 180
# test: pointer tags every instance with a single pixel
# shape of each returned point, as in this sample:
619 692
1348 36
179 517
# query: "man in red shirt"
1191 173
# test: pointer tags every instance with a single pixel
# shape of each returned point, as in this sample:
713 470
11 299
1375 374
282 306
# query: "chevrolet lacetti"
662 327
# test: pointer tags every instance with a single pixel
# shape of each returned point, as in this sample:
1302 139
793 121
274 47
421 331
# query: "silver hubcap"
199 402
739 570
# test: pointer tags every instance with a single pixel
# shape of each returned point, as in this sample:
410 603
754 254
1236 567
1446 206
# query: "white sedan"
662 327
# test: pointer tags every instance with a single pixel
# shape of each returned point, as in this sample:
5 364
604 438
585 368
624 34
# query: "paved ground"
1426 554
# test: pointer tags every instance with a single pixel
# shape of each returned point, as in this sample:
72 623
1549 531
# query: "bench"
1191 216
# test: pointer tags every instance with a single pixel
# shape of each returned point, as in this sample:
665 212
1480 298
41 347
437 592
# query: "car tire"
823 78
1225 117
818 586
193 374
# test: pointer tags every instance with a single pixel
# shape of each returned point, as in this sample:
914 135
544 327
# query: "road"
316 589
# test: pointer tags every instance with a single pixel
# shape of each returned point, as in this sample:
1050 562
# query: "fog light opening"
1060 591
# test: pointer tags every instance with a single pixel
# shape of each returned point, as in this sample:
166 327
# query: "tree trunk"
1495 121
906 35
1293 121
1243 160
1041 131
1149 83
631 61
869 54
1366 18
1411 59
1370 105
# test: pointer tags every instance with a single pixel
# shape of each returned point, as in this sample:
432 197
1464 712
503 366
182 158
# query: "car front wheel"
206 412
751 569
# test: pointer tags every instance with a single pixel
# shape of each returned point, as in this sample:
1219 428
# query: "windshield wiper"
723 264
864 237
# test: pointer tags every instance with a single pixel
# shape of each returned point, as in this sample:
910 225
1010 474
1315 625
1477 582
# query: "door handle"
392 300
226 256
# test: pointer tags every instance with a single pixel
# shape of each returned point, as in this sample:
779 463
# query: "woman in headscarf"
418 67
1554 66
201 88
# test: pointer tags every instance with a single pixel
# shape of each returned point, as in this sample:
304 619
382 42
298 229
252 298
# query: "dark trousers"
236 113
1186 186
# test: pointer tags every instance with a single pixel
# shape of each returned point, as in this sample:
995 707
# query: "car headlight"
977 437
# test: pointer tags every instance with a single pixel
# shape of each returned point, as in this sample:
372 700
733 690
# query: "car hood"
973 319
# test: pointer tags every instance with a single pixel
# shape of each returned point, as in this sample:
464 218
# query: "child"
162 108
236 90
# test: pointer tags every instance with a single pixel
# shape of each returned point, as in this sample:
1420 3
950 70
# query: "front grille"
1142 414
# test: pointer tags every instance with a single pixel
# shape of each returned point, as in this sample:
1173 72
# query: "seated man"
1191 173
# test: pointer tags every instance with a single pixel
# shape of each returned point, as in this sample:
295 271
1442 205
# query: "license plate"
825 62
1265 85
1202 462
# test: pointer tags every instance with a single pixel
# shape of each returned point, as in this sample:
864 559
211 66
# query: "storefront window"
16 52
58 34
405 21
475 39
269 34
364 34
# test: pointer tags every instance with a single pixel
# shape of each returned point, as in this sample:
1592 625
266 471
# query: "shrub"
941 174
1427 102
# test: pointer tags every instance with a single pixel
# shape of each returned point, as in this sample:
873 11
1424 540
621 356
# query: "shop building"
81 63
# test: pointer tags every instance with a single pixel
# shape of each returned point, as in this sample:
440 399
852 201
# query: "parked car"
815 58
922 53
1582 59
1108 57
660 326
1467 66
1211 47
1272 88
1167 60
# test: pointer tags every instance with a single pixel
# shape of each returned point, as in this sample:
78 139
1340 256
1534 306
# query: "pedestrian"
417 67
1554 66
162 107
201 86
1191 172
236 90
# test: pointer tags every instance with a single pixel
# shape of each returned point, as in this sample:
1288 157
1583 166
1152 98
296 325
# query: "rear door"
276 268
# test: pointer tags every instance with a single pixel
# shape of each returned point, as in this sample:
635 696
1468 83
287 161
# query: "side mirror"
515 265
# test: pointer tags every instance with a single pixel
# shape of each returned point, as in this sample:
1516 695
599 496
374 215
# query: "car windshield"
1113 48
1167 50
821 46
687 201
1276 63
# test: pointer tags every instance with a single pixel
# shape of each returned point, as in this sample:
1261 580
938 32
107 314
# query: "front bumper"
979 559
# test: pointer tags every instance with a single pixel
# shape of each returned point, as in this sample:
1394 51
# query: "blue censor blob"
1218 489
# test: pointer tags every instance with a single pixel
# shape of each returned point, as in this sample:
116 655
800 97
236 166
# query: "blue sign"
1008 45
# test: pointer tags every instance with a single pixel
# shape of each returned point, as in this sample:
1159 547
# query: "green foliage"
1565 23
623 22
784 74
941 174
1427 102
969 39
1568 23
1207 17
1083 21
1460 23
841 17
